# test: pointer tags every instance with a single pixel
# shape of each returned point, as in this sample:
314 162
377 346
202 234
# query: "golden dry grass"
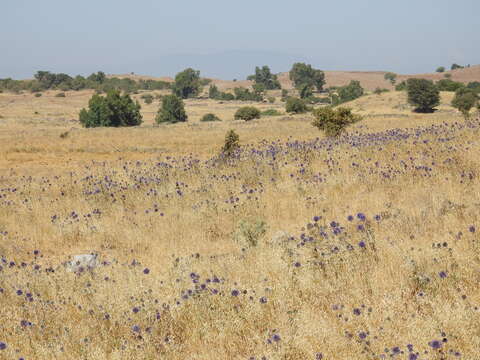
151 197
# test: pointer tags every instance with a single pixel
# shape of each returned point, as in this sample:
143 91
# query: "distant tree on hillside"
423 94
456 66
172 110
390 76
303 74
350 92
98 77
464 100
113 109
187 83
441 69
264 77
449 85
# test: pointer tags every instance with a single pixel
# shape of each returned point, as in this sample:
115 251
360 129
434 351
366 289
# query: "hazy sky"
228 38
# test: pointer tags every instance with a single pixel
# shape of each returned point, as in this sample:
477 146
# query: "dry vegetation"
300 247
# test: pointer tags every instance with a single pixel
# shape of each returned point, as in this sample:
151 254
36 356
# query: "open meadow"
364 246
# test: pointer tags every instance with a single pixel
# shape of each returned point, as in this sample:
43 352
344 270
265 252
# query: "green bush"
464 100
38 94
232 143
350 92
113 109
60 95
247 113
246 95
456 66
210 117
441 69
305 91
295 105
423 95
449 85
475 86
187 84
270 112
302 73
379 91
148 98
271 99
172 110
402 86
334 121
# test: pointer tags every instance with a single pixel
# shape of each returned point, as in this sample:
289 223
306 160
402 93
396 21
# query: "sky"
227 39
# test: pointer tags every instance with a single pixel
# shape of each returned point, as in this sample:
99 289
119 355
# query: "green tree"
213 92
264 76
456 66
187 84
464 100
113 109
441 69
449 85
302 73
305 91
390 76
350 92
172 110
334 121
210 117
295 105
423 95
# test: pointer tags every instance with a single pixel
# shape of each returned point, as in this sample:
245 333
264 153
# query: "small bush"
334 121
449 85
38 94
441 69
271 99
271 112
232 143
380 91
60 95
210 117
111 110
247 113
392 77
295 105
250 233
171 111
402 86
464 100
148 98
423 95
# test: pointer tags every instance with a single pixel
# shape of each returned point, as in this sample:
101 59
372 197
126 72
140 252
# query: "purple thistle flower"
362 244
471 229
136 328
350 218
442 274
435 344
361 216
146 271
276 338
263 300
3 346
235 292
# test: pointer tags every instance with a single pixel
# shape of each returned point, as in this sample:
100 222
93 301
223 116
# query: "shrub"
447 75
246 95
449 85
464 100
295 105
402 86
210 117
270 112
302 73
264 77
423 95
271 99
148 98
247 113
38 94
213 92
456 66
334 121
172 110
390 76
441 69
379 91
305 91
350 92
249 233
232 143
475 86
60 95
187 84
113 109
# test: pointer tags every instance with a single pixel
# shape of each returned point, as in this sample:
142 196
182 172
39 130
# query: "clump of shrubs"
295 105
247 113
334 121
60 95
210 117
271 112
113 109
172 110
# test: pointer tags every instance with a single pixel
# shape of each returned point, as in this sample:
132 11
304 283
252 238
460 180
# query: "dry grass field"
299 247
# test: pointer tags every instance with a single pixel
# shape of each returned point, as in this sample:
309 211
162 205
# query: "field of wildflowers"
361 247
